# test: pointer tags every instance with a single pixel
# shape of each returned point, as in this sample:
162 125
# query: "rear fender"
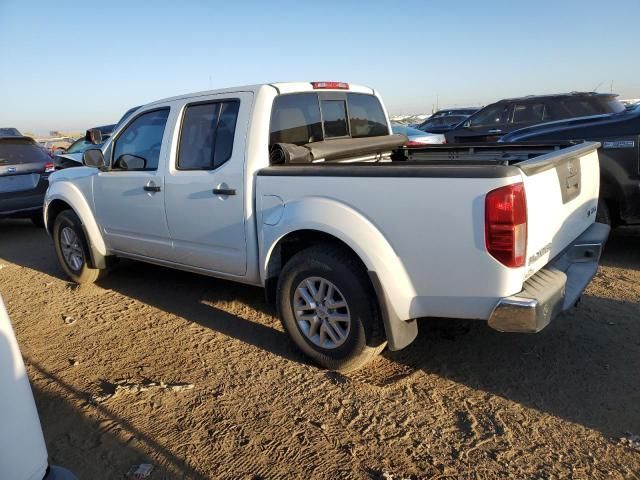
389 276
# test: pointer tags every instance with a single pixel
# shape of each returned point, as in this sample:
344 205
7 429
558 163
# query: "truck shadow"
583 367
237 311
26 245
623 248
92 441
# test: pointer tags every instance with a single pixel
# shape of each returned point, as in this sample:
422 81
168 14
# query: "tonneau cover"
337 149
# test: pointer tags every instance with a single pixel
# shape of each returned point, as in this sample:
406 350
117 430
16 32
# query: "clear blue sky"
71 65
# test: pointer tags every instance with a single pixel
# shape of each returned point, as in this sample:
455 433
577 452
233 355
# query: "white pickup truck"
292 186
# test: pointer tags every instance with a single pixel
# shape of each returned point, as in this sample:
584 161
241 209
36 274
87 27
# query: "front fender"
73 196
354 229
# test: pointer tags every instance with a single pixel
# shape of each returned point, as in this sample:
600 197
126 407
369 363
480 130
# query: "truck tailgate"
562 196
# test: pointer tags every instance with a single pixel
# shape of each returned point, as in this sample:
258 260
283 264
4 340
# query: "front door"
487 125
129 198
204 187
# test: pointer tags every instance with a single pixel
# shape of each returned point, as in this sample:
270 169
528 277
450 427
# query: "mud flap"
400 333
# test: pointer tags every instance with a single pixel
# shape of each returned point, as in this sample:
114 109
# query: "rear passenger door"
204 186
528 113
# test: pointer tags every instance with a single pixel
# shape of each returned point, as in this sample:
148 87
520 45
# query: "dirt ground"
195 376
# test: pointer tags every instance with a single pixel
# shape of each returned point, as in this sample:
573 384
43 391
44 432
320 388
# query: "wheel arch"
58 201
315 220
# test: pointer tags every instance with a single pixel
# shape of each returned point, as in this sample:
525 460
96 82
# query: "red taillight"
505 211
330 85
412 144
49 167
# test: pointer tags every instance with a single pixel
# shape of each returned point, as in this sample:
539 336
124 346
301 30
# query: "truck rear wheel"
72 248
328 308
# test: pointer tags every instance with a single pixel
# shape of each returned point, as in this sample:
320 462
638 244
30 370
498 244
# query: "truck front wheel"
72 248
328 308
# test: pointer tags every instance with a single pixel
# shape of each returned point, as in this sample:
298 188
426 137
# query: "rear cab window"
301 118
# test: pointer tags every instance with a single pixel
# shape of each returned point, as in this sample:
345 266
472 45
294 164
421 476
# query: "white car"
291 186
23 454
418 138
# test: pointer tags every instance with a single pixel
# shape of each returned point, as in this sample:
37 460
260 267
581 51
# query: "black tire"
84 273
365 338
603 215
38 219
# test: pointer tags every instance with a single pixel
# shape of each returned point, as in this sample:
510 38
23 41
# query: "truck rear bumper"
554 288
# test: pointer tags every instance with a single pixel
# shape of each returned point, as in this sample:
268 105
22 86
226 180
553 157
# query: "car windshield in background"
443 121
81 145
301 118
21 150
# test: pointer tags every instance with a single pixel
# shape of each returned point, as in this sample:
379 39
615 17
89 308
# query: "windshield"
443 121
81 145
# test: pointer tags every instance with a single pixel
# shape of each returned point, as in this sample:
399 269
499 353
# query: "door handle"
151 187
224 191
495 130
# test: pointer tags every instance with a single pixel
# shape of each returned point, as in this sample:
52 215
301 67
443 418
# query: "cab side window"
206 139
492 115
138 146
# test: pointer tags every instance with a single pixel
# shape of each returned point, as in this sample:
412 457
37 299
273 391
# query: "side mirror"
466 124
93 158
130 162
94 136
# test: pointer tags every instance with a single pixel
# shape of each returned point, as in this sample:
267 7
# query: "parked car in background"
72 157
417 138
9 132
495 120
54 146
126 115
292 187
444 120
619 136
23 453
24 174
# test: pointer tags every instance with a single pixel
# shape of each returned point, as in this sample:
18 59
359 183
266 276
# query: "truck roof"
280 87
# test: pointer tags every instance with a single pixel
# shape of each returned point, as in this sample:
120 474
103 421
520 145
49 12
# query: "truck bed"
430 211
